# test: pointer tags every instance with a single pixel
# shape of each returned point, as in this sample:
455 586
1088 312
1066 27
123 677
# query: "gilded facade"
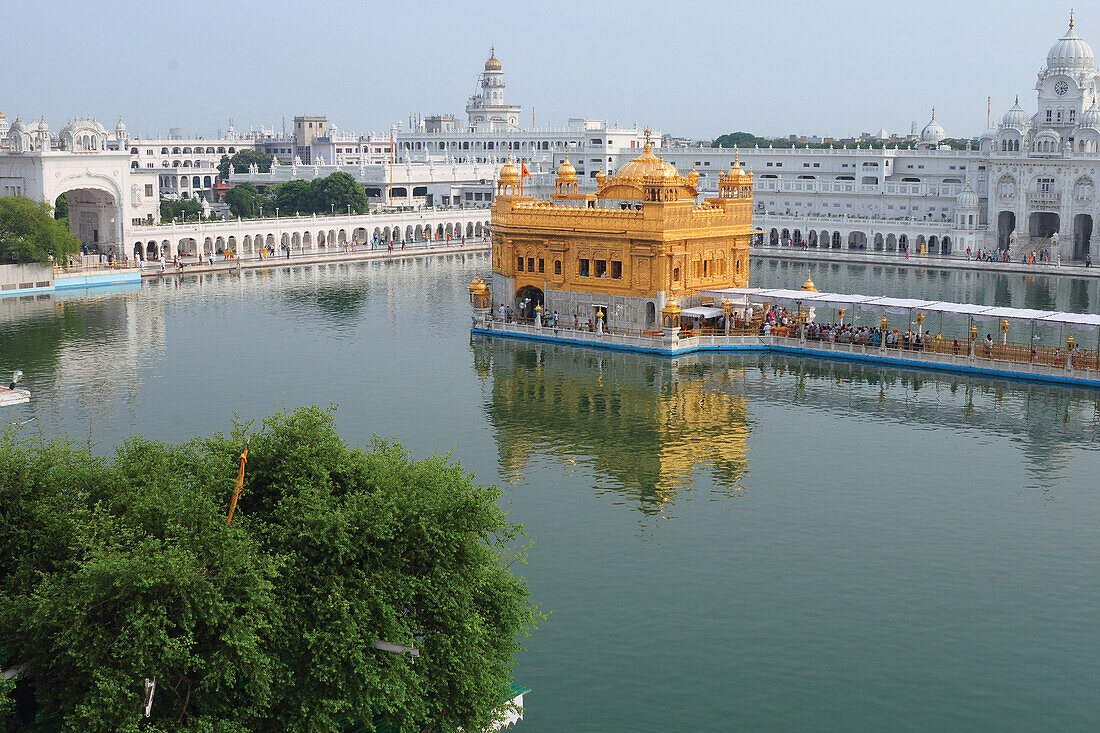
641 240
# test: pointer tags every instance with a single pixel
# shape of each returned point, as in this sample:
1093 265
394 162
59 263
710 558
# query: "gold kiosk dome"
493 64
809 286
566 171
508 180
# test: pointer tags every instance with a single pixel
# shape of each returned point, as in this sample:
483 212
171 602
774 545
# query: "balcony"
1044 199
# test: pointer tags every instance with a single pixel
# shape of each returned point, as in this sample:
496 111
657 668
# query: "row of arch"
196 181
309 241
134 164
858 240
188 150
494 145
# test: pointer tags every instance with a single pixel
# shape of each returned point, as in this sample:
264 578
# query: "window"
582 267
601 268
519 264
530 264
542 265
616 270
557 267
676 274
148 189
1049 114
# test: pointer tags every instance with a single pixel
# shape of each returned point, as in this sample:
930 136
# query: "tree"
117 569
335 192
294 196
171 210
242 160
244 200
61 208
29 233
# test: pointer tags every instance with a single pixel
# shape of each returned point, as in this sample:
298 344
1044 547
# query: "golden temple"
642 241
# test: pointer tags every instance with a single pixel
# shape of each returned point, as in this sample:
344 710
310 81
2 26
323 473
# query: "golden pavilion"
641 242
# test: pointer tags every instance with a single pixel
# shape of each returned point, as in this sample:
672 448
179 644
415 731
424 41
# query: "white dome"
1070 52
932 132
121 126
1091 117
1015 117
966 199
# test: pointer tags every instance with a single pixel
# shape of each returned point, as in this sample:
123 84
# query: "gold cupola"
809 286
508 180
493 64
566 185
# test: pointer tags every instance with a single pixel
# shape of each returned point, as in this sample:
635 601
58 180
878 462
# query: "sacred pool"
720 540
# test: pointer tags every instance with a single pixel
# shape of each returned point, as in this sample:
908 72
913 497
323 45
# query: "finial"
1071 17
1017 99
933 111
648 144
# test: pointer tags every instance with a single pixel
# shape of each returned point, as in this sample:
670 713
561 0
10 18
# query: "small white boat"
12 395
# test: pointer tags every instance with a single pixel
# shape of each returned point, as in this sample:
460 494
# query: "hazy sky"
696 69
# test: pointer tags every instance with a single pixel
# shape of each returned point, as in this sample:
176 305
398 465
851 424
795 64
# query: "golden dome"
809 286
509 173
492 64
647 165
601 177
735 171
566 169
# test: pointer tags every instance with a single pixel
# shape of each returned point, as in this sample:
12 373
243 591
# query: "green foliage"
61 208
320 196
741 140
187 208
117 569
334 192
242 160
244 200
29 233
294 197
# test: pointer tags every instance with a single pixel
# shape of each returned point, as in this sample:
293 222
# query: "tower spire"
1071 17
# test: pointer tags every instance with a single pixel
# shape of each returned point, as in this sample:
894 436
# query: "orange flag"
523 172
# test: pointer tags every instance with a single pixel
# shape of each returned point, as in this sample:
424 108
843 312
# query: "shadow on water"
648 426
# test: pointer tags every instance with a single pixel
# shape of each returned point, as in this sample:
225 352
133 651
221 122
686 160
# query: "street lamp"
261 211
276 212
333 208
349 209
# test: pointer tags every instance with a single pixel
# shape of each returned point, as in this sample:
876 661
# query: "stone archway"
527 297
95 219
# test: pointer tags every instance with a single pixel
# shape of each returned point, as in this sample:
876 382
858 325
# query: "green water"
723 542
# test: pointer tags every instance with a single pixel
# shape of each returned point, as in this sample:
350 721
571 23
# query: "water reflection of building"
647 425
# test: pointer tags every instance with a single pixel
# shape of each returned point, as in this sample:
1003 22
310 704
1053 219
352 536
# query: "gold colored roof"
493 64
809 286
566 169
509 173
646 165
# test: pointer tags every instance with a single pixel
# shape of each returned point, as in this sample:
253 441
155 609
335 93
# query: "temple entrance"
527 298
1082 233
1006 224
1041 226
94 220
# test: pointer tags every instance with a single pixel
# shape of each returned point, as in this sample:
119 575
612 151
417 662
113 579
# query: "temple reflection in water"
648 425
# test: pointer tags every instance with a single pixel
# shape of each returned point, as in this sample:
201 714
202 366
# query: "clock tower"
1067 85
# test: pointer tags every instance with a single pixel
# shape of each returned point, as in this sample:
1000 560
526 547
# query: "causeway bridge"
305 234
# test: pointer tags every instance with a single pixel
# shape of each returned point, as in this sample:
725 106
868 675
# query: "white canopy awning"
894 305
838 300
1088 321
1011 314
702 311
903 305
955 309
